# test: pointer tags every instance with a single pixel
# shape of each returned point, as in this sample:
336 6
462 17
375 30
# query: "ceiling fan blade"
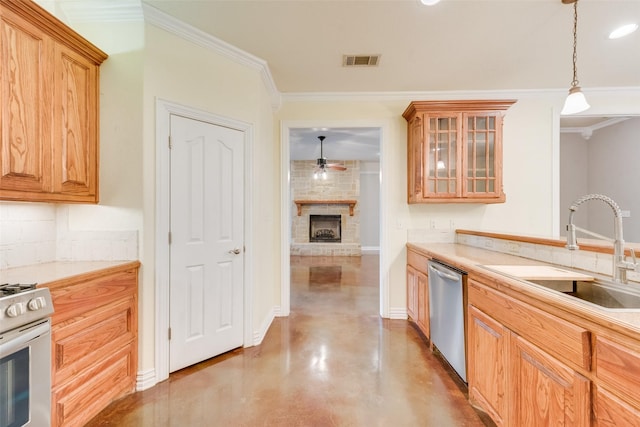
336 167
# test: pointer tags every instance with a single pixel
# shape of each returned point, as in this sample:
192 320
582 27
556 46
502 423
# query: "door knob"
235 251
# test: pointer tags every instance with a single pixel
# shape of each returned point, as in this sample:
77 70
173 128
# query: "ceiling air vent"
360 60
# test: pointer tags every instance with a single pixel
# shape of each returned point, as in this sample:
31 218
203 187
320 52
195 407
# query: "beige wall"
181 72
146 62
528 168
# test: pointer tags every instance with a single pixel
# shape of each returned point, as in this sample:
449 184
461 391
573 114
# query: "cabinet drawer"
417 261
85 395
82 343
558 337
76 299
618 365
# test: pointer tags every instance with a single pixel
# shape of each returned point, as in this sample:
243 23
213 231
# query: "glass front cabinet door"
455 151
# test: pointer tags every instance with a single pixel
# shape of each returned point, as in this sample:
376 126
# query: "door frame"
286 202
164 110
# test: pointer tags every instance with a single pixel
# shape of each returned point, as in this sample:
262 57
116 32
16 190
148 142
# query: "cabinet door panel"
488 362
412 293
25 120
75 150
546 392
423 304
610 411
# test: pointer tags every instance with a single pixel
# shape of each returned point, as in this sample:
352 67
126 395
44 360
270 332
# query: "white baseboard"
370 250
398 313
145 379
259 335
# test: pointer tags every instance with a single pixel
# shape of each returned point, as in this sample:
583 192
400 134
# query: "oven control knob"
15 310
36 303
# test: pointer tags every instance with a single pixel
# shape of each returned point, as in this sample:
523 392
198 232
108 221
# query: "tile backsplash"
594 262
33 233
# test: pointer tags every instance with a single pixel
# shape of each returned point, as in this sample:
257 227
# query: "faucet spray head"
572 243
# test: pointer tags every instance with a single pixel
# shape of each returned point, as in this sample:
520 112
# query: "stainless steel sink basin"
603 294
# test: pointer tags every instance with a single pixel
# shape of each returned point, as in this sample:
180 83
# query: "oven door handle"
24 338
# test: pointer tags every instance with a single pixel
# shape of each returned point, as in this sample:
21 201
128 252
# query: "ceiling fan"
322 165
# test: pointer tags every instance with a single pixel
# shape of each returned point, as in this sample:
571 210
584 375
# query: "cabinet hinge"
170 145
169 334
169 237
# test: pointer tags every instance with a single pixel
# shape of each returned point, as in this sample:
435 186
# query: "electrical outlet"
625 214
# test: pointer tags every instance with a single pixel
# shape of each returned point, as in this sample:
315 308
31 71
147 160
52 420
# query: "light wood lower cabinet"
529 367
545 391
515 381
488 362
94 343
418 291
412 293
609 411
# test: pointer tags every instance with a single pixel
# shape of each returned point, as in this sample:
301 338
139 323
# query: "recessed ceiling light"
625 30
429 2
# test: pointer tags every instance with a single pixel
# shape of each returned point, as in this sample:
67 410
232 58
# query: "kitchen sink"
598 292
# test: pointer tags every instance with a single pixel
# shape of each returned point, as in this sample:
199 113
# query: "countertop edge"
58 273
626 323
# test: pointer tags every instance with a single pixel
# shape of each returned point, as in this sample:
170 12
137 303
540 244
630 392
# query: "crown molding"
168 23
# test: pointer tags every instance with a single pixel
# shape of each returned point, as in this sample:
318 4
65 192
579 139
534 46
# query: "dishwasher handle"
444 272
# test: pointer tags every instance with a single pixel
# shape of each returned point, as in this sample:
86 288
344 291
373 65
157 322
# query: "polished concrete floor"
332 362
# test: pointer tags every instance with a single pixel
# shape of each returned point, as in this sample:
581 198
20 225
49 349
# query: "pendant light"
575 102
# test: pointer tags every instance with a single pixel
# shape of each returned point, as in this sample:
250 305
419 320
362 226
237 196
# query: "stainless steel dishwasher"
446 314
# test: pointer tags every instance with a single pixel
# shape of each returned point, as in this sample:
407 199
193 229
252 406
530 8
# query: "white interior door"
206 250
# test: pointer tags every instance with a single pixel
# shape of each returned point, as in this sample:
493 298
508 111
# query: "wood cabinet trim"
564 340
55 28
476 106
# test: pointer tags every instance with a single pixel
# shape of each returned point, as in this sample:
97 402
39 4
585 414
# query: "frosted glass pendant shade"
575 102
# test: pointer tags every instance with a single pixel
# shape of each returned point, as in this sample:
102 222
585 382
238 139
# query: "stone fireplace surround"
339 186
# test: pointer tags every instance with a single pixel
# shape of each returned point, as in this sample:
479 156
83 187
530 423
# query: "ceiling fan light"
429 2
575 102
622 31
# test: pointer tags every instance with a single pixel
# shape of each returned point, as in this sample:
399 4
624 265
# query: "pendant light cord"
575 82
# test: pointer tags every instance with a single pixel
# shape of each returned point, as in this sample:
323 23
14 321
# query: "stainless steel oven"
25 357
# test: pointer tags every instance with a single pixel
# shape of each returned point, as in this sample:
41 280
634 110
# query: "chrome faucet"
620 264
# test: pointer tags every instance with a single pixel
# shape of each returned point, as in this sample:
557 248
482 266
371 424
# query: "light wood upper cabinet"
49 86
455 151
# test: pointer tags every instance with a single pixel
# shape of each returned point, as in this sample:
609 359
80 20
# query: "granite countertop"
51 272
473 259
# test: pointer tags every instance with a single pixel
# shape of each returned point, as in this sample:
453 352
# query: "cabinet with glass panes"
454 151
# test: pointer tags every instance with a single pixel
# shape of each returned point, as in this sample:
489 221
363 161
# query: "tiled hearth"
339 185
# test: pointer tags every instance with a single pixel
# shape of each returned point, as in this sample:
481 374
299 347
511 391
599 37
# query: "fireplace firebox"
325 228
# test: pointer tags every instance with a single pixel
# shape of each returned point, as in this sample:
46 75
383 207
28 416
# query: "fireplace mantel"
301 203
